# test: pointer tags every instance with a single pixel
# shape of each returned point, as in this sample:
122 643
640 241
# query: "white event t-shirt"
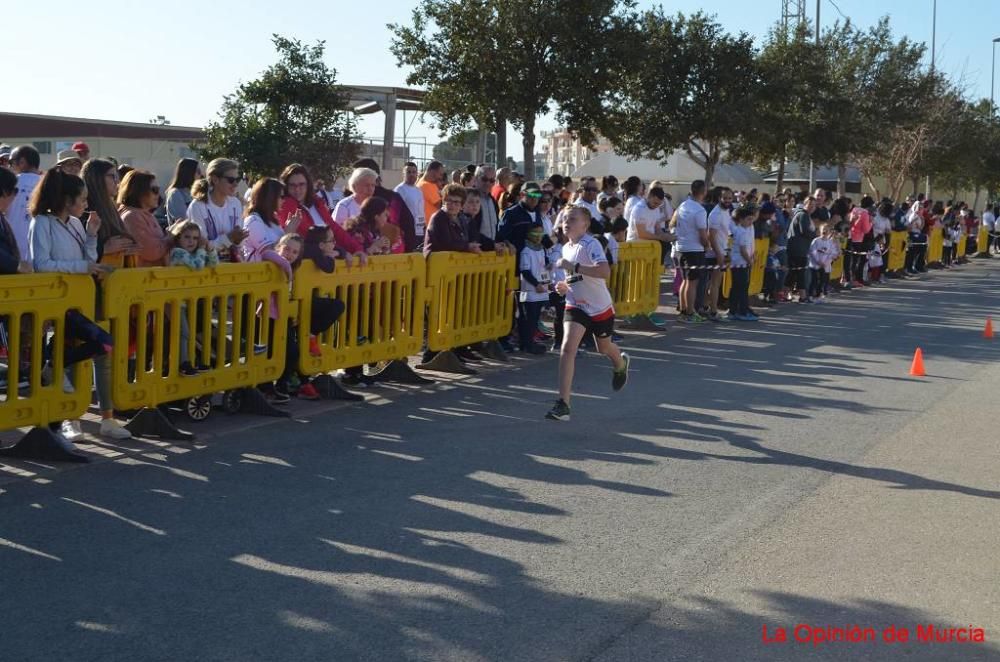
641 216
720 225
217 222
346 208
741 237
414 199
691 217
590 294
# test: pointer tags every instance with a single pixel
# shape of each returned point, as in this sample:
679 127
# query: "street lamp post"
993 73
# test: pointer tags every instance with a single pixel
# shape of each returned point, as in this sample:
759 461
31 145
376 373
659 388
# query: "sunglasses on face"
231 180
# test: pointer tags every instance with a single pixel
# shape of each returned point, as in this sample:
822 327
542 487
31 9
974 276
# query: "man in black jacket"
517 220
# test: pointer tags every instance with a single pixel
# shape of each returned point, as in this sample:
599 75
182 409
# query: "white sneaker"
71 430
113 429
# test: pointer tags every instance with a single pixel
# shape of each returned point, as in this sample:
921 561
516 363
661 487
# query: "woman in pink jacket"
138 196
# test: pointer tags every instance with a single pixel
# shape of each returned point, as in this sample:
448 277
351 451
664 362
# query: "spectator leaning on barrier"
261 222
25 161
413 197
115 246
217 210
59 243
445 231
399 213
10 254
312 210
179 197
138 196
692 239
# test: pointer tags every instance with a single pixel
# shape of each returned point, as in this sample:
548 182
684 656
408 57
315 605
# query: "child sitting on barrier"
193 251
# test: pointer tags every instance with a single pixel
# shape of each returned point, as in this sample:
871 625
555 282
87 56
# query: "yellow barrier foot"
492 350
44 444
447 361
398 371
254 402
330 389
152 422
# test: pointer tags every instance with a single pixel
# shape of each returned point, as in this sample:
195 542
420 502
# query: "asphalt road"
755 474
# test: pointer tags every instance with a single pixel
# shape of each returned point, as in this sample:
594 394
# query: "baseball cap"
532 190
80 147
67 155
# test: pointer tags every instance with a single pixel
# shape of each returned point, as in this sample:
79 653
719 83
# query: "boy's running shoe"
559 412
620 377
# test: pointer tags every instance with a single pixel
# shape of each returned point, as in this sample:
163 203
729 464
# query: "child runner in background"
589 308
533 267
193 251
875 261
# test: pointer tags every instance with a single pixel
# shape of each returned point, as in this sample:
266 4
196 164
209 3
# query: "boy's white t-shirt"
741 237
533 261
590 294
641 216
821 254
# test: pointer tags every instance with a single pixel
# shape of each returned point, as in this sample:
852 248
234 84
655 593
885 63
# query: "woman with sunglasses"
138 196
217 210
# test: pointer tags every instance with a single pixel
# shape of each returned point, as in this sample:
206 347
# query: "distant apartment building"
564 153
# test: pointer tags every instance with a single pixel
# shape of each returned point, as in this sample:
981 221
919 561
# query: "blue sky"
66 57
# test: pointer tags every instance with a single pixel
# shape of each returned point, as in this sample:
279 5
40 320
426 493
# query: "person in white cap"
69 162
4 155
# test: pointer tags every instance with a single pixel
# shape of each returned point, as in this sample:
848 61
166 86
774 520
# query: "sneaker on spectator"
308 392
187 370
114 430
70 429
259 349
280 394
696 318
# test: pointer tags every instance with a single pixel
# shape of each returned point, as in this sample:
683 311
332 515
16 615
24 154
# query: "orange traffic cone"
917 368
988 331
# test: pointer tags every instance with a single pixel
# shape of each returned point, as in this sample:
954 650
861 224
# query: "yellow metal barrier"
228 309
384 305
960 252
983 240
30 307
837 266
935 246
897 250
760 248
469 297
635 279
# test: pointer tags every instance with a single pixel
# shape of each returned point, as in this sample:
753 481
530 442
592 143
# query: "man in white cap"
69 162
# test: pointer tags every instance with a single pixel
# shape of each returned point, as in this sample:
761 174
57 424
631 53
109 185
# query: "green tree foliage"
485 63
692 87
293 113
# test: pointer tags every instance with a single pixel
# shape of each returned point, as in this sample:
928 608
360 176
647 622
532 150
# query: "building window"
43 146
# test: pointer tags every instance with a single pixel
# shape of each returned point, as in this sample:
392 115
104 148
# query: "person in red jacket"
302 201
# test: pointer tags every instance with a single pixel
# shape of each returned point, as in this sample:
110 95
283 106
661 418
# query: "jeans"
527 321
739 299
820 278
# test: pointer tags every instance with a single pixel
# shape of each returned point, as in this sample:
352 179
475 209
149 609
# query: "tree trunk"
781 174
528 140
871 185
841 180
501 152
975 203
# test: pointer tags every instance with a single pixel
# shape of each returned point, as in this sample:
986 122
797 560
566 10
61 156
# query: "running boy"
589 308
